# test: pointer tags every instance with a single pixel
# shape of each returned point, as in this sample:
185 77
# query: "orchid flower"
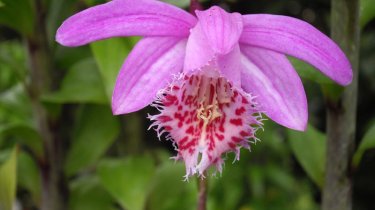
211 75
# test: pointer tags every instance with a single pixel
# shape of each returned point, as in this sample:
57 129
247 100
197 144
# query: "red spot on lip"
212 91
183 95
164 118
244 133
236 139
236 122
168 128
219 136
240 111
188 145
183 140
244 100
191 80
190 130
221 127
169 100
232 145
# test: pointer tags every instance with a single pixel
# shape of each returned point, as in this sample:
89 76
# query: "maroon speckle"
183 140
244 133
232 145
190 130
240 111
236 122
236 139
164 118
219 136
244 100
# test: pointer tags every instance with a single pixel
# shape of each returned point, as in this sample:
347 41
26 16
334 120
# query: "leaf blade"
367 142
8 171
309 148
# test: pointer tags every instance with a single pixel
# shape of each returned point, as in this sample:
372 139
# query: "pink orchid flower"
210 76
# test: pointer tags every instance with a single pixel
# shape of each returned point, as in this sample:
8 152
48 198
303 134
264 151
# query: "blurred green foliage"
368 142
367 11
8 174
313 158
107 165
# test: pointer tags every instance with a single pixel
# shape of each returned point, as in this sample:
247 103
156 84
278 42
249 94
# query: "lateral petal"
271 78
149 68
125 18
299 39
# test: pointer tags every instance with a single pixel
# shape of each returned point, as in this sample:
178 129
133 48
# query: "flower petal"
149 68
125 18
271 78
299 39
199 55
221 29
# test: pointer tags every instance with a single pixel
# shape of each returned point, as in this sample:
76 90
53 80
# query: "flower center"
205 117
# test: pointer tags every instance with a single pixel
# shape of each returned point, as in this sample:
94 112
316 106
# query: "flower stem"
341 111
202 193
40 60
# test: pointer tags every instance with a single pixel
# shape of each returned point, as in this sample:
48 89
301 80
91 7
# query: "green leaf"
309 72
97 130
309 147
15 106
28 175
8 175
110 55
127 180
12 62
229 181
368 142
86 193
257 181
25 135
367 12
18 15
169 191
82 84
280 177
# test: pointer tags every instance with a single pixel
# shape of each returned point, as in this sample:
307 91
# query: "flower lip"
205 117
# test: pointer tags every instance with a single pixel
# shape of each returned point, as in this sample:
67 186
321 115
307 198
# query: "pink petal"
299 39
221 29
271 78
200 53
148 69
125 18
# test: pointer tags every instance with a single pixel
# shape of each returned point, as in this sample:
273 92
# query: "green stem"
341 111
40 65
202 193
